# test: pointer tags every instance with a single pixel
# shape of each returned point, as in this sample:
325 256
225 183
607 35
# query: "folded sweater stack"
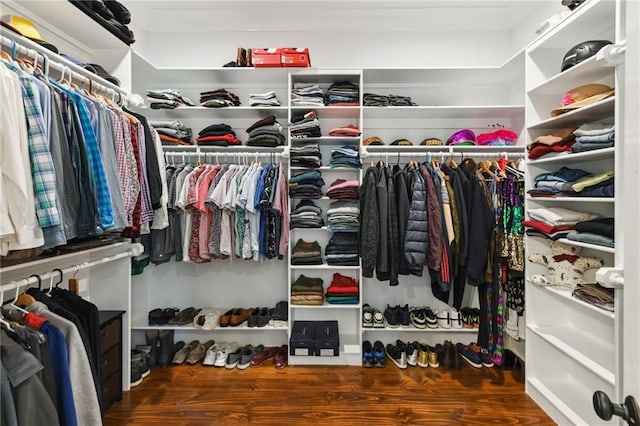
344 216
306 185
306 215
346 157
343 249
305 125
172 132
167 99
219 98
307 291
592 136
342 189
263 99
266 132
308 156
306 253
343 93
554 222
217 135
306 94
342 291
596 231
573 183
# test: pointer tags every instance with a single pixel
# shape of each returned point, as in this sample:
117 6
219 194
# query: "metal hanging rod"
437 154
30 49
135 250
226 157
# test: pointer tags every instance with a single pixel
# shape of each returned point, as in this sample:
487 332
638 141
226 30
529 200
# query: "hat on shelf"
581 52
582 96
373 140
497 138
462 137
431 142
401 142
26 28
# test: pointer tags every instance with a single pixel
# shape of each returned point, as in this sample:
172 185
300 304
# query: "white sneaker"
456 317
210 356
223 353
444 317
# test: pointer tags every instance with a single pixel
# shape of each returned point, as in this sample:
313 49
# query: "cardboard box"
263 58
294 57
327 338
302 342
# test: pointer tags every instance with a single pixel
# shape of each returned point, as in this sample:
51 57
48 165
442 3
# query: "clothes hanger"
3 321
14 303
4 55
50 286
61 276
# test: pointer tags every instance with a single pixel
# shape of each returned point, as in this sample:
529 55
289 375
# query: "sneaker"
467 317
444 355
210 356
430 318
223 353
485 357
403 316
253 318
398 355
476 317
423 356
367 354
282 357
455 317
469 355
379 354
247 355
444 318
267 354
416 315
233 357
136 375
456 359
146 350
412 353
391 316
378 319
140 361
181 356
198 354
433 357
367 316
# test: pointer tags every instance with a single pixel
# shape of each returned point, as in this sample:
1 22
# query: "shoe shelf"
323 267
595 155
419 330
585 72
571 199
448 111
565 293
141 325
596 111
350 354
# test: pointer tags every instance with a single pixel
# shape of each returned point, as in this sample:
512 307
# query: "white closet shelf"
596 247
243 327
464 76
322 228
224 149
596 111
227 112
597 154
324 306
326 140
561 387
566 80
593 17
444 111
572 199
595 354
342 112
413 329
324 267
565 293
325 169
349 354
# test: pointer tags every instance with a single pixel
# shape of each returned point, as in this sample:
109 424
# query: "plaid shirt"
42 169
147 211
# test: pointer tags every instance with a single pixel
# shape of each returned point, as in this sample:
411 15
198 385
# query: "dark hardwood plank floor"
198 395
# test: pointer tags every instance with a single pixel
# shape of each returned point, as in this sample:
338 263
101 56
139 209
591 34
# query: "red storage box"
265 57
294 57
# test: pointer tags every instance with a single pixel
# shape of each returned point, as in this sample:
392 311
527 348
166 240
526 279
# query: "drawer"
111 361
112 390
110 335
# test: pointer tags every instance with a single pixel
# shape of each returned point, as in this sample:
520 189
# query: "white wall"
342 50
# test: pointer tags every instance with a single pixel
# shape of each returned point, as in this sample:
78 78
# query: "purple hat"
462 137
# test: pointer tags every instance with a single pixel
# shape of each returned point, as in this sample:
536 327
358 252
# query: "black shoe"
155 316
146 350
367 354
253 318
391 316
456 359
379 354
444 355
403 316
152 337
136 375
264 316
397 354
166 347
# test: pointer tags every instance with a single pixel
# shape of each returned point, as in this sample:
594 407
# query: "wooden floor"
198 395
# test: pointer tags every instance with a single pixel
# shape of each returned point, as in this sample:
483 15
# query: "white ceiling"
200 16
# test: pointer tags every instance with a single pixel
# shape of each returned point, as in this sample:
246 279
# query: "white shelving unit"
572 348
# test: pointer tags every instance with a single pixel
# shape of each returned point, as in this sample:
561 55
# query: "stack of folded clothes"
306 185
342 189
592 136
172 132
573 183
595 295
305 253
306 94
217 135
345 157
557 142
167 99
343 93
307 291
219 99
266 132
349 131
308 156
264 99
596 231
343 290
306 215
371 99
305 125
555 222
343 216
280 315
343 249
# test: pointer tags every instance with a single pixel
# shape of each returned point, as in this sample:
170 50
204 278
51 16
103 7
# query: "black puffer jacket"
416 240
369 222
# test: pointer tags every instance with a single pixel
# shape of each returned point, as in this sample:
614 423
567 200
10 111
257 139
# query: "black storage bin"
327 338
302 341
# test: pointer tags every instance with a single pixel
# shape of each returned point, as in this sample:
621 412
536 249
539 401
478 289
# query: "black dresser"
111 349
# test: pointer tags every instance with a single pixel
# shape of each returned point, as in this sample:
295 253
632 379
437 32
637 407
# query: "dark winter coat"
369 222
416 241
402 201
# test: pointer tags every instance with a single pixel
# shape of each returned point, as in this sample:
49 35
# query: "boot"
166 347
249 61
241 58
152 342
